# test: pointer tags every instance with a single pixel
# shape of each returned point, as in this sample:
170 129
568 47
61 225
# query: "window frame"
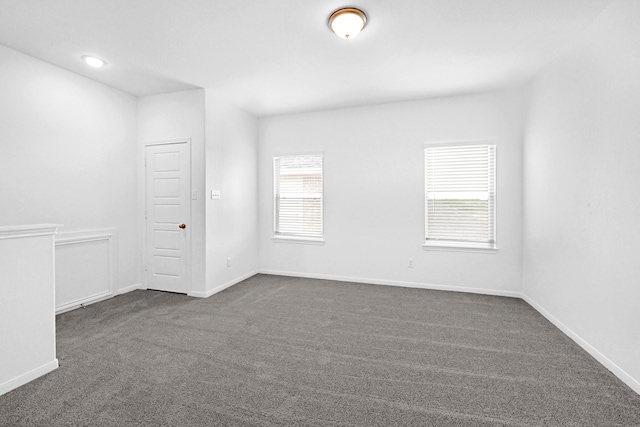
461 245
292 238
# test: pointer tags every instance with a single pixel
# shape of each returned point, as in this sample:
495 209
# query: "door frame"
145 239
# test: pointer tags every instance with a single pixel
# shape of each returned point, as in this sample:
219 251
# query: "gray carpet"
287 351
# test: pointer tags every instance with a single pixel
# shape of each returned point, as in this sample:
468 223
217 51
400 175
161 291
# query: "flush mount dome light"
93 61
347 22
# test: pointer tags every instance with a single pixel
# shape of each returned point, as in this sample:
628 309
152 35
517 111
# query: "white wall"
175 116
374 191
68 154
27 317
582 203
232 221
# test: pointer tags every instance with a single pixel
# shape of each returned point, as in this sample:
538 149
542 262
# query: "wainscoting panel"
85 267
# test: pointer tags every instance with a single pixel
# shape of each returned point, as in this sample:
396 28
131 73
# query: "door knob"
183 226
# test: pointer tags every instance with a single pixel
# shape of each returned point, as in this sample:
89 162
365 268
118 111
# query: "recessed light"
347 22
93 61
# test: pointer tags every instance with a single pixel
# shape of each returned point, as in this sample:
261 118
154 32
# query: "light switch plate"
215 195
194 194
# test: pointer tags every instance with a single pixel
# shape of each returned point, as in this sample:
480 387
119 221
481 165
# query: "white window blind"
460 195
297 187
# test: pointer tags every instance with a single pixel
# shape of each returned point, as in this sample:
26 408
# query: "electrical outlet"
411 263
228 262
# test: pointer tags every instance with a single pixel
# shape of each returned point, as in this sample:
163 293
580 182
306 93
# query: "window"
460 196
297 192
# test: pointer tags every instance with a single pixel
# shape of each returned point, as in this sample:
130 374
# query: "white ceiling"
278 56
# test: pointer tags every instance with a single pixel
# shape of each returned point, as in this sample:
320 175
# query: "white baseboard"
28 376
617 371
133 287
222 287
96 298
496 292
83 301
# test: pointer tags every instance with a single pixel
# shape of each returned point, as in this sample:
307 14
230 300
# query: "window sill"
487 248
300 240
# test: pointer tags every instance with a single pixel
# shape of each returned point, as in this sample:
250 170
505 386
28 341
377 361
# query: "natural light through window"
460 195
298 194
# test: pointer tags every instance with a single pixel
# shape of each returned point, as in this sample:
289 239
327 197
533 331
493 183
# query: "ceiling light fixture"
347 22
94 62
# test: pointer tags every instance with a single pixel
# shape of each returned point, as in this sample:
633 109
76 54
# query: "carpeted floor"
287 351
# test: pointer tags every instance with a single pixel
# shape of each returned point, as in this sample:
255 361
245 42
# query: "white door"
168 213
